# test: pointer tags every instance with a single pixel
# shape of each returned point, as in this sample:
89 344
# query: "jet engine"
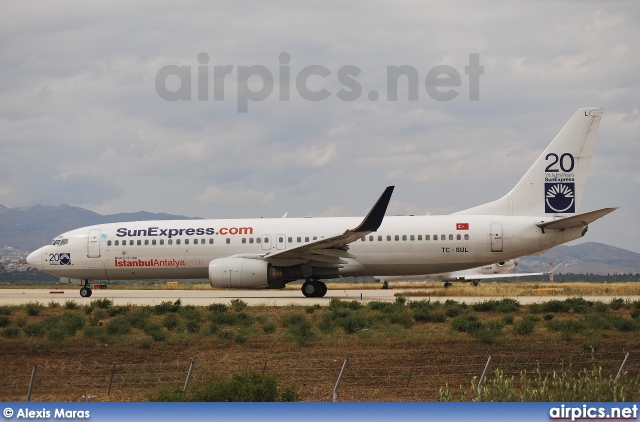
247 273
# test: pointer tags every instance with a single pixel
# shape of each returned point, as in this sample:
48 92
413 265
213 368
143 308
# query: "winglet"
373 220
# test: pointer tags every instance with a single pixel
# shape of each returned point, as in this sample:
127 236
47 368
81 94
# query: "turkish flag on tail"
462 226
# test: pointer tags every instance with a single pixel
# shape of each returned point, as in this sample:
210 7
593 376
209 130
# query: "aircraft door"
266 242
93 245
496 237
281 242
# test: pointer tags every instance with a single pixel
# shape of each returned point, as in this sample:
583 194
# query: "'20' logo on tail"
559 197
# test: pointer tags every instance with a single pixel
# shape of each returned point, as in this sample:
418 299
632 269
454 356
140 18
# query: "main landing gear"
86 291
314 288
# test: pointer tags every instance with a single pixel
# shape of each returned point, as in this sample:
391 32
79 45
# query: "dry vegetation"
401 351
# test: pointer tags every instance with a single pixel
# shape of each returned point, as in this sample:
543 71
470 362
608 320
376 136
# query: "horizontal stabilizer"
580 220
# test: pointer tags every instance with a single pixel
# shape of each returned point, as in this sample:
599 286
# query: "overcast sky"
82 121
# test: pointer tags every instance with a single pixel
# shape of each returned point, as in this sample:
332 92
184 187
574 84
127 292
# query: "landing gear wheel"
86 292
475 283
447 285
323 290
310 288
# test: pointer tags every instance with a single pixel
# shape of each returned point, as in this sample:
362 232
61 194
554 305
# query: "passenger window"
177 241
435 237
131 242
443 237
244 240
427 237
466 237
370 238
419 237
195 241
162 241
108 243
315 237
228 240
397 238
186 241
404 237
139 242
281 239
388 238
379 238
450 237
363 238
117 242
251 240
170 242
153 242
202 241
459 237
258 240
306 239
146 241
211 241
290 240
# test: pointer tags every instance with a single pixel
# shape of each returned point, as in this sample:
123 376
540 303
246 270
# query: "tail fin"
555 183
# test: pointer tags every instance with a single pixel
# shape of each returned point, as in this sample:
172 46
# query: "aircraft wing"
328 252
471 277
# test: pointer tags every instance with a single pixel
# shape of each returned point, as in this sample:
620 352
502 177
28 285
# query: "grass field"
402 351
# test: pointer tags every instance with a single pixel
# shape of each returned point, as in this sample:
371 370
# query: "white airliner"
540 212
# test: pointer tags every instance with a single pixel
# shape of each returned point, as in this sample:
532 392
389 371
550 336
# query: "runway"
251 297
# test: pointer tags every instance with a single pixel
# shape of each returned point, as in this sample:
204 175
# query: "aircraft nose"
35 259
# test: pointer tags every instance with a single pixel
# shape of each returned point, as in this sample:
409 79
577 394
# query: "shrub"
117 310
192 326
11 332
555 306
269 328
36 329
139 317
101 303
118 326
155 331
97 333
71 304
508 305
170 322
97 317
33 308
616 303
246 386
238 304
4 320
508 319
5 310
301 332
466 323
71 323
217 307
167 307
486 306
525 325
53 304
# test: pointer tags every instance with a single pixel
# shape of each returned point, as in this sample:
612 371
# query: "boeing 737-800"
540 212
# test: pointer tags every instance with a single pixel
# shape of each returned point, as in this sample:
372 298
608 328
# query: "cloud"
215 193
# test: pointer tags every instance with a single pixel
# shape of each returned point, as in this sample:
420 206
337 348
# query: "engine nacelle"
247 273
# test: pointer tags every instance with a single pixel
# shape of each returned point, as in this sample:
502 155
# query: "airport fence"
337 378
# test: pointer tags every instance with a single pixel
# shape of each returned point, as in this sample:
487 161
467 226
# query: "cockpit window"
64 242
56 242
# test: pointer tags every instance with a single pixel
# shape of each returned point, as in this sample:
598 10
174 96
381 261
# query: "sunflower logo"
560 197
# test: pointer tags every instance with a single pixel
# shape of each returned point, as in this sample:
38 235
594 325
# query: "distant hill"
586 258
28 228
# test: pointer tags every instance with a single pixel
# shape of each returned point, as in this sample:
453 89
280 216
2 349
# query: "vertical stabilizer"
555 183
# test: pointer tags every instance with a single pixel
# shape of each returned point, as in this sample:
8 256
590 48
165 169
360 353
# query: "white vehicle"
540 212
472 275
